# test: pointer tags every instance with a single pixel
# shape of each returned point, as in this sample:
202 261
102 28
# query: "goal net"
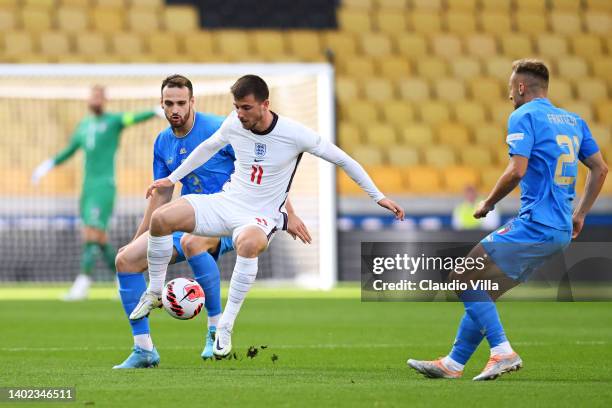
40 105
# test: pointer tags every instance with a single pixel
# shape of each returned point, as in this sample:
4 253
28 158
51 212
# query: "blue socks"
468 338
131 287
206 273
482 310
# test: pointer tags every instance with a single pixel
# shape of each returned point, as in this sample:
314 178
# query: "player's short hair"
536 69
177 81
250 85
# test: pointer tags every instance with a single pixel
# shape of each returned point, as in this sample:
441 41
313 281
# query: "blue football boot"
140 358
207 353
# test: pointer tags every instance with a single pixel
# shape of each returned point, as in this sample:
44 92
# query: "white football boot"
498 365
79 289
148 301
223 343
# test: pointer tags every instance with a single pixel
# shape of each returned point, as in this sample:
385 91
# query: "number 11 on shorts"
256 173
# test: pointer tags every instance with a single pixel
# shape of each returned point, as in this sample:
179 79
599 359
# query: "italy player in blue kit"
545 144
187 130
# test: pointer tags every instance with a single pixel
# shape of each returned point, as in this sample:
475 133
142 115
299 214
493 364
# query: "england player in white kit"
268 149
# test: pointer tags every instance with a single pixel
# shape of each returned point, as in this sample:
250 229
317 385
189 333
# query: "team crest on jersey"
260 150
183 150
505 229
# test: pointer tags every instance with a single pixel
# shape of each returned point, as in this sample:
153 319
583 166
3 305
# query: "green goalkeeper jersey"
99 136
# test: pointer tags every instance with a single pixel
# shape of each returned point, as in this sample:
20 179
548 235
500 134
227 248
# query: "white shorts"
218 215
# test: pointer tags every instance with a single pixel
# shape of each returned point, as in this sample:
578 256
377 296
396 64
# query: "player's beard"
183 120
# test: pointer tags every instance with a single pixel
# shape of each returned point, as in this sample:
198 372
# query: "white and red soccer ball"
183 298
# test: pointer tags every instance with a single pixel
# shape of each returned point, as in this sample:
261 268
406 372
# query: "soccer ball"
183 298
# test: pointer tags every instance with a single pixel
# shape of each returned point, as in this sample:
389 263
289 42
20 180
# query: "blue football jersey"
170 151
553 140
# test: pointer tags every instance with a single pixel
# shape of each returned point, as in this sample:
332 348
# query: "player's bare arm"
507 182
598 170
295 226
157 198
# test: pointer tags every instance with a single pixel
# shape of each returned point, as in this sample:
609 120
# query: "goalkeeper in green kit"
98 135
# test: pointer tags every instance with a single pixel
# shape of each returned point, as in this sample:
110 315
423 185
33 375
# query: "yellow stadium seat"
8 20
439 156
397 113
143 20
586 45
163 45
402 156
572 67
598 23
565 23
347 89
368 155
551 45
411 45
434 112
601 133
489 177
604 112
359 67
461 5
500 111
346 186
453 134
362 113
390 22
379 90
414 90
476 156
431 68
180 19
394 67
583 109
380 135
537 6
269 43
108 20
127 44
358 4
201 46
446 46
354 21
481 45
462 23
598 5
602 68
560 91
465 68
490 134
10 4
495 22
497 5
349 135
91 44
376 45
516 45
572 6
417 135
425 22
112 3
46 4
470 113
386 178
431 5
54 44
499 68
305 45
422 179
449 89
502 156
18 43
456 178
530 23
592 90
35 19
396 5
340 43
233 44
72 19
147 4
485 90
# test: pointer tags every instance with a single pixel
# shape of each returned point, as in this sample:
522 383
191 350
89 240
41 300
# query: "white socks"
214 320
159 253
503 348
143 341
452 364
243 277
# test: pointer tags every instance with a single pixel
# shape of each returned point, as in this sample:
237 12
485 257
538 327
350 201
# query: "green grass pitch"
332 351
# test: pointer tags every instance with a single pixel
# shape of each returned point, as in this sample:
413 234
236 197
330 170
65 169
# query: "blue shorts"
226 245
522 246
